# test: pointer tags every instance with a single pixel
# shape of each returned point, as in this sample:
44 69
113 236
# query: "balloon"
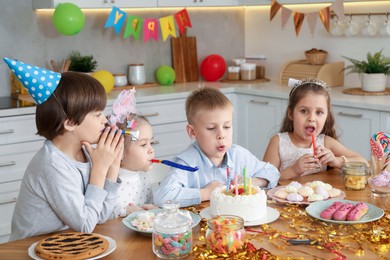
213 67
68 19
105 78
165 75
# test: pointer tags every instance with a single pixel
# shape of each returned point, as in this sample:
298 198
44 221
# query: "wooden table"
133 245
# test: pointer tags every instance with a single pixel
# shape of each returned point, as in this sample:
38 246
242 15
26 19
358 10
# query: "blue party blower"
176 165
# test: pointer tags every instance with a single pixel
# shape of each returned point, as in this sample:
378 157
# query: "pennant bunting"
298 20
338 9
275 6
312 21
115 19
182 20
167 26
325 17
285 15
150 29
133 27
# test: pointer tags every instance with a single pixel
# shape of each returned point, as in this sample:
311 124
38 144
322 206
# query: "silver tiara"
294 84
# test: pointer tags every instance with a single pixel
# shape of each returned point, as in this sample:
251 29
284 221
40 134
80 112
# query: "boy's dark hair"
296 95
76 95
205 98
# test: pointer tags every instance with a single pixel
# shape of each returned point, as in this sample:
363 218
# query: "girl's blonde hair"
297 93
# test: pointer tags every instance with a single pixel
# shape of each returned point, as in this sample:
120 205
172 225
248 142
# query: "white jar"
136 74
248 71
120 80
233 73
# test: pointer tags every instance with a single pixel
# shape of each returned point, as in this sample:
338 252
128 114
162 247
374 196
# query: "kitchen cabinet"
197 3
43 4
18 144
259 118
352 124
254 2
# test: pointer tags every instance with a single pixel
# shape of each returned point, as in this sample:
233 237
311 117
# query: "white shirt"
135 188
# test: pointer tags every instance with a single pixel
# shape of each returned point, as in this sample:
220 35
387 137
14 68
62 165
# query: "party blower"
176 165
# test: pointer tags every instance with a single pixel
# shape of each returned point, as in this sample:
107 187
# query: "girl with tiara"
307 142
135 192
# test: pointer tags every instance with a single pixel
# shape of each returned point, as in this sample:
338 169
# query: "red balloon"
213 67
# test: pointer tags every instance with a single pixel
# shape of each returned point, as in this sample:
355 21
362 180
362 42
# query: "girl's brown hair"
296 94
76 95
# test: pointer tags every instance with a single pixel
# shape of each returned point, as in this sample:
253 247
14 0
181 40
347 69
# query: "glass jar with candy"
172 233
354 175
225 234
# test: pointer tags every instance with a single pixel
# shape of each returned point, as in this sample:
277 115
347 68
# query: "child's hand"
305 163
206 191
326 156
149 206
107 150
133 208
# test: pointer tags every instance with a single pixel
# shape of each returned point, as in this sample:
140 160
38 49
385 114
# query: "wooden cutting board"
185 58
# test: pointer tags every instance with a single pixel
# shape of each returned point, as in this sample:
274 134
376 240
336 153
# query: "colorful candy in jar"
225 234
172 232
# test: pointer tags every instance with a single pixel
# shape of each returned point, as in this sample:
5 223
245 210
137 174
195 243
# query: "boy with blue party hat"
67 184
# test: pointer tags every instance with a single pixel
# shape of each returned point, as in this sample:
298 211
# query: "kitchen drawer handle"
351 115
11 163
9 131
151 114
8 201
259 102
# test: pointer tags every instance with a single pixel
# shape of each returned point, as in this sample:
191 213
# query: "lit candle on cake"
235 183
228 179
244 175
250 185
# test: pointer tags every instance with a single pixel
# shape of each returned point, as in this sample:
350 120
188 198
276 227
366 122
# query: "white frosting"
249 207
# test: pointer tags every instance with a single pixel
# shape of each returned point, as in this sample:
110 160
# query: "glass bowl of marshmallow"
380 184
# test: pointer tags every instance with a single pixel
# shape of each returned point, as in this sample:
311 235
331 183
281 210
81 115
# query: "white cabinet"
254 2
18 144
384 122
355 127
38 4
259 118
198 3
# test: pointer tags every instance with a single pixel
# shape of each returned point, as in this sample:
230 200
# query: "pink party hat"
39 82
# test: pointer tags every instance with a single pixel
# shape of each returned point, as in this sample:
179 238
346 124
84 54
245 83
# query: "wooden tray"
146 85
245 81
360 92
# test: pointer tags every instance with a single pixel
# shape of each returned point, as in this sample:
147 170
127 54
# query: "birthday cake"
249 205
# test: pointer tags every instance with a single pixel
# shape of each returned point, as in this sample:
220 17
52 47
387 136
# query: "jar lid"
355 168
172 220
248 66
234 69
136 64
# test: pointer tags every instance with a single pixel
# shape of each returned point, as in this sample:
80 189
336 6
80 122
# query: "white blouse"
135 188
289 153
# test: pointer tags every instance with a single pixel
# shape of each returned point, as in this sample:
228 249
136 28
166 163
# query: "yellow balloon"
105 78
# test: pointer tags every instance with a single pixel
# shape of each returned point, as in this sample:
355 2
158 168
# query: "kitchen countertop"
269 89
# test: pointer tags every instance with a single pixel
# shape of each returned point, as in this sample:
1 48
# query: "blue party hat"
39 82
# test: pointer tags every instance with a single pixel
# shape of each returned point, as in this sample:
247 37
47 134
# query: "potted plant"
373 71
82 63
